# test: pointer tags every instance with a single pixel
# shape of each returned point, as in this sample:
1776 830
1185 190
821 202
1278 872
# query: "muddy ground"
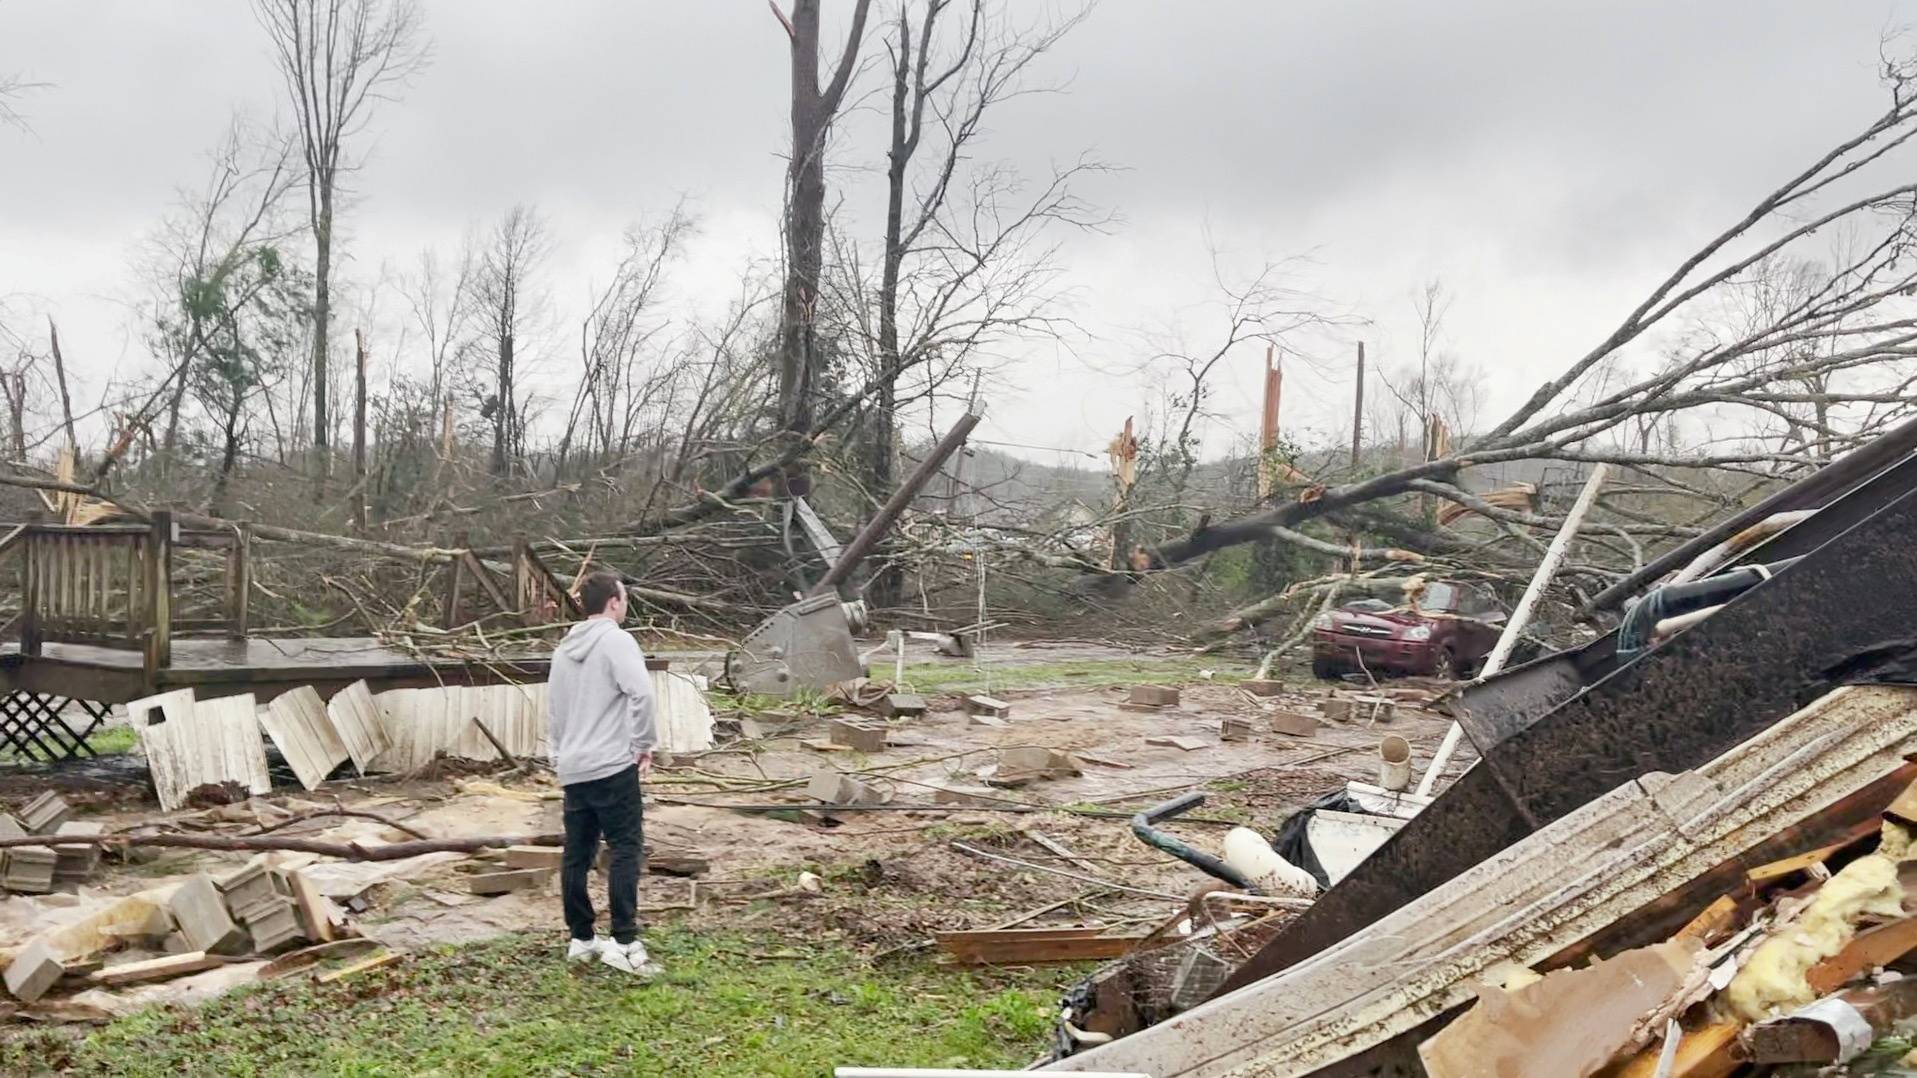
885 878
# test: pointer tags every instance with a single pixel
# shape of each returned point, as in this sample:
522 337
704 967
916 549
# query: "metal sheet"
355 720
298 723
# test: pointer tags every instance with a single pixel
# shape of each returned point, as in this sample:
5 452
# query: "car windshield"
1439 597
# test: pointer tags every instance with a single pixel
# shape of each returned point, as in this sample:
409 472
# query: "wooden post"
239 581
1358 410
30 593
359 432
450 618
158 573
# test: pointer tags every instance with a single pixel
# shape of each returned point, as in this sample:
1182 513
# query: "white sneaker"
586 950
628 958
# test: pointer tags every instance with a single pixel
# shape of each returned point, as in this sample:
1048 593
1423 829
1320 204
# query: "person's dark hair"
598 590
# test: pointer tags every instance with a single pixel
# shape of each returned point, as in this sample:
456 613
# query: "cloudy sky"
1547 161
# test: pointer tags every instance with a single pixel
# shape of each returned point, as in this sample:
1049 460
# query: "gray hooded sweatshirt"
598 702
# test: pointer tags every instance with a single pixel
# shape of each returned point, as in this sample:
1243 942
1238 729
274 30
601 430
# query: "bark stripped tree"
814 108
337 59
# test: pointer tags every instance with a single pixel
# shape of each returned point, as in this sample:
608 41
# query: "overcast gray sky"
1547 160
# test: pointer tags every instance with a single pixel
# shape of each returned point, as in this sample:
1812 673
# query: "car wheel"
1446 665
1325 670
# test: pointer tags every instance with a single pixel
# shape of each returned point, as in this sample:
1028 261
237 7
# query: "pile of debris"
191 927
35 869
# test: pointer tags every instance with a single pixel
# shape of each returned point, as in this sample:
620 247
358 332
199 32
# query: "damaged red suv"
1448 634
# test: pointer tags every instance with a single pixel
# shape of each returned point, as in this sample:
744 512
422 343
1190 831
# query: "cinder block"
980 704
1154 696
1262 686
499 883
34 970
974 796
831 788
901 705
862 736
30 869
205 924
45 813
1293 724
546 857
247 888
1231 729
1020 764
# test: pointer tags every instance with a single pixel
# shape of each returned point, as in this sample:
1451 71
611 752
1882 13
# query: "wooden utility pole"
359 431
1268 426
60 375
1358 409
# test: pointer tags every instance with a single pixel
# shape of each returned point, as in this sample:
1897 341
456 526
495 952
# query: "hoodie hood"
582 638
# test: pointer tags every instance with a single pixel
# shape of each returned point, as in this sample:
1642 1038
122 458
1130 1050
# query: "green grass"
510 1007
112 740
955 677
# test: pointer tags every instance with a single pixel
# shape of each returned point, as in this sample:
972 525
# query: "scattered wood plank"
1034 946
1869 949
1710 1051
156 969
377 961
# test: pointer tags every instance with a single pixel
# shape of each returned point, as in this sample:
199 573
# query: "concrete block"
901 705
29 869
1293 724
247 888
853 734
1176 741
34 970
546 857
10 827
831 788
205 924
272 924
1020 764
1231 729
972 796
499 883
979 704
1262 686
45 813
1154 696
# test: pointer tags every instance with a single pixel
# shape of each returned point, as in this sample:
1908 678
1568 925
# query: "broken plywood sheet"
191 743
1570 1022
298 723
356 724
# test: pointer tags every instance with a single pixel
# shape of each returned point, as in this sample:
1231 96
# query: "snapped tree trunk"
322 312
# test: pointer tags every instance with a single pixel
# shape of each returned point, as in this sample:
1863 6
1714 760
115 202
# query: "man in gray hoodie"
599 702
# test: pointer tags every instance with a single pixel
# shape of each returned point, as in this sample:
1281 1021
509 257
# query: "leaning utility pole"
1358 409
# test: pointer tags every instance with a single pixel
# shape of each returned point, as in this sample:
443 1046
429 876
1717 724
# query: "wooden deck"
264 667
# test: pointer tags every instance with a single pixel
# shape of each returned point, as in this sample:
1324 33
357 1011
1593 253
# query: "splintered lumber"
1709 1051
385 958
1869 949
1034 946
156 969
1567 881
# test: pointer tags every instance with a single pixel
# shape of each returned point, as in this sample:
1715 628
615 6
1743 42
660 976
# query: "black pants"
608 807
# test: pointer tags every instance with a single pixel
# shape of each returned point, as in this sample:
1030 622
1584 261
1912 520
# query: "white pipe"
1541 579
1682 621
1394 763
1707 562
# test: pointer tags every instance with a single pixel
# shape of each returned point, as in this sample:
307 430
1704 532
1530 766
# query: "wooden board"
1034 946
356 725
1178 741
156 969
